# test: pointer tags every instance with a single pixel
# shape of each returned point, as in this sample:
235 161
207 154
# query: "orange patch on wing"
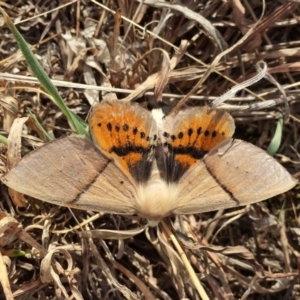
193 132
125 132
203 129
220 127
130 160
186 160
115 125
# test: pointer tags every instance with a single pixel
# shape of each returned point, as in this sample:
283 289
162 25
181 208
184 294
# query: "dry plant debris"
147 50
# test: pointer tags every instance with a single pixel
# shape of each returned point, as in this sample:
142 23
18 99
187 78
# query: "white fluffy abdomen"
156 200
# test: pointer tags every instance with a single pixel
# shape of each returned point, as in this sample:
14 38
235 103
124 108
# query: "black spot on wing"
180 135
134 130
109 127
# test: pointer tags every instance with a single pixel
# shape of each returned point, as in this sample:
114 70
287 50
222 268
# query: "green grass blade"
39 125
276 140
42 76
3 139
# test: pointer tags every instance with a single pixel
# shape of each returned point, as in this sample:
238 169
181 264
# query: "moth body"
156 200
183 163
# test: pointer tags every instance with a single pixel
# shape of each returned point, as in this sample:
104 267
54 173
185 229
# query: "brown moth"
183 164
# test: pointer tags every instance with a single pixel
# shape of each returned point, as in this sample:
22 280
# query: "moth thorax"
156 200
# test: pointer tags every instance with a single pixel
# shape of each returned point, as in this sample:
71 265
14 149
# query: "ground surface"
162 51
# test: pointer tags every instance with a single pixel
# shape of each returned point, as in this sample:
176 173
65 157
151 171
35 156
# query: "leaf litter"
148 50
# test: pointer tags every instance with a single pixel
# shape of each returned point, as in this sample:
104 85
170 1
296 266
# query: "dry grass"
171 49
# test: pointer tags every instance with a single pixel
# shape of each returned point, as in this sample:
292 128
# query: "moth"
138 163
